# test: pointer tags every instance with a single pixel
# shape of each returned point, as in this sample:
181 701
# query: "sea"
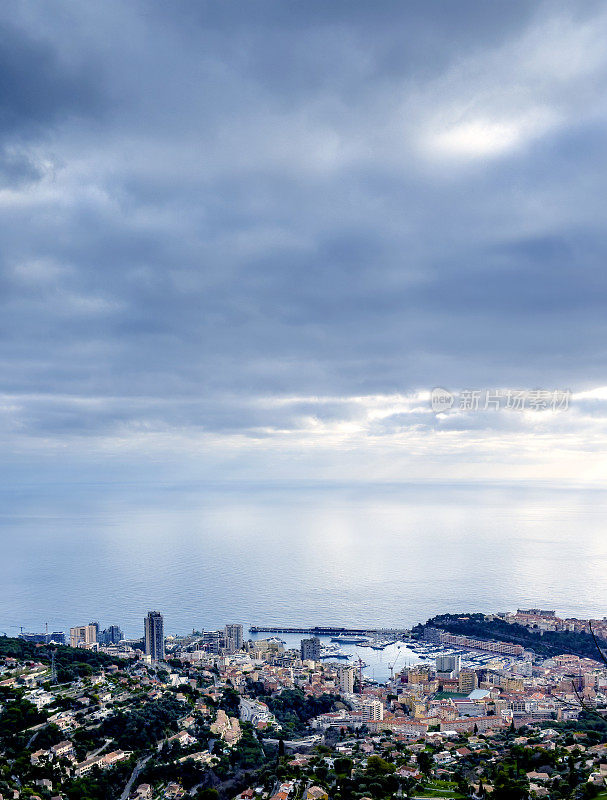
370 555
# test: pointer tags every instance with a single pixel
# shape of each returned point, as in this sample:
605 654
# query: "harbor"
381 653
378 664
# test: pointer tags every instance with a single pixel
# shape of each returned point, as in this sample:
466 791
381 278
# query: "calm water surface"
386 556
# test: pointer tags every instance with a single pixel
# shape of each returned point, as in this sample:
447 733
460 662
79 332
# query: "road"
138 767
36 730
99 749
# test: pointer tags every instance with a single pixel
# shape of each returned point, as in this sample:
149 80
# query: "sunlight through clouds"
259 239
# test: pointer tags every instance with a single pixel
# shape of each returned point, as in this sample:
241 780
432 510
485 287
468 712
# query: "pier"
330 631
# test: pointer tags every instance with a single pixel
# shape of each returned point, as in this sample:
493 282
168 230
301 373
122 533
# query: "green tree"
343 767
425 761
510 784
379 766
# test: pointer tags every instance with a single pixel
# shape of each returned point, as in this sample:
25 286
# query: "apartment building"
84 634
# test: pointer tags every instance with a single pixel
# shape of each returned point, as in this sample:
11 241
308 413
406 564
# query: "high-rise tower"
233 637
154 636
310 649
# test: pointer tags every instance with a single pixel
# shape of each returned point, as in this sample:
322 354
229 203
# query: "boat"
380 644
345 638
332 651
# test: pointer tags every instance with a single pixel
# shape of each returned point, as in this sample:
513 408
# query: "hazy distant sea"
368 556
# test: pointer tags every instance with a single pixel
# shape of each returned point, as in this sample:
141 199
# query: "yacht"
345 638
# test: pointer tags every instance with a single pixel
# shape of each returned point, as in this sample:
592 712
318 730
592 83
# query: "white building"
372 710
345 677
449 663
255 712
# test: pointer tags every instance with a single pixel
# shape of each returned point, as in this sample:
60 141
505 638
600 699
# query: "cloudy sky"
244 240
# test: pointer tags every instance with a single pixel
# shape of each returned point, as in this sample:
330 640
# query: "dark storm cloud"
211 203
37 91
36 87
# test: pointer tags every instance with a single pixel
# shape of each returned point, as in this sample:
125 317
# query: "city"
303 400
214 714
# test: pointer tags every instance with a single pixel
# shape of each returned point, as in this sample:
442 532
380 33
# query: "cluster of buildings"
54 637
444 709
541 620
466 642
154 644
91 636
514 688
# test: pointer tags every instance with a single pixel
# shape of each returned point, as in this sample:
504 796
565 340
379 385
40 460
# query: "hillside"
549 643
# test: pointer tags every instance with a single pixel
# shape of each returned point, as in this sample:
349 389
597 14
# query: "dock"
319 630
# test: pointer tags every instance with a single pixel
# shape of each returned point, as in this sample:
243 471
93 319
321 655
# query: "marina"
383 656
379 664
